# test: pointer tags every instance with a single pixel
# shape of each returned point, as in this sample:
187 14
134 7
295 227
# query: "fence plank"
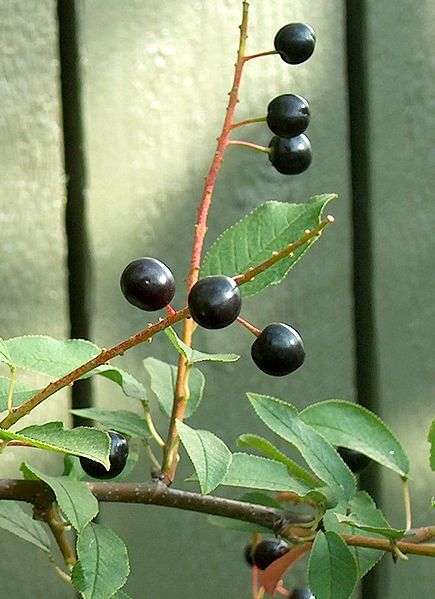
155 79
32 245
401 87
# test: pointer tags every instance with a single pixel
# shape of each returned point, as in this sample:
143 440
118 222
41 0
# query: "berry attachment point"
267 551
278 350
295 42
354 460
117 457
148 284
288 115
215 302
290 156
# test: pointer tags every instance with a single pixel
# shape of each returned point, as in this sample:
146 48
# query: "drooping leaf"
77 503
364 510
103 565
332 570
283 419
82 441
210 456
351 425
268 450
431 439
54 358
193 355
255 498
124 421
269 228
15 520
21 393
254 472
162 381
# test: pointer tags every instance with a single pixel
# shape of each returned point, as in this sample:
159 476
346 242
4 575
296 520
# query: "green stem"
407 502
260 119
248 144
11 388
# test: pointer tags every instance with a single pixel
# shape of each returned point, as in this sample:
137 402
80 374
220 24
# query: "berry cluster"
288 115
214 302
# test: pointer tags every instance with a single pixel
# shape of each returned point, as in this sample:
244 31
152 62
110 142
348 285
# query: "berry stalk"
181 394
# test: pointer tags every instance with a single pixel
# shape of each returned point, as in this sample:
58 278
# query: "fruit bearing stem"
181 394
157 493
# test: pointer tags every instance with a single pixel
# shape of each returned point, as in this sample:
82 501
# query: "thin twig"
407 502
260 54
260 119
248 144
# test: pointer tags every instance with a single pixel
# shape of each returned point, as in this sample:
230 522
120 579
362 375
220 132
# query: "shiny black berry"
247 553
278 350
290 156
355 460
302 593
215 302
295 42
117 458
267 552
288 115
148 284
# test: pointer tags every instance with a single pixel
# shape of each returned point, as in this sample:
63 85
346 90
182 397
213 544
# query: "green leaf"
82 441
72 468
431 439
283 419
54 358
386 531
269 228
254 472
77 503
332 570
350 425
255 498
210 456
193 355
123 421
21 393
268 450
103 564
364 510
15 520
5 356
162 381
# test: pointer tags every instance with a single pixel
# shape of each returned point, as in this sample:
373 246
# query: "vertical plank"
155 82
401 70
32 244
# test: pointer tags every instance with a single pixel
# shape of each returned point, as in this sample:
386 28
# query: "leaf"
82 441
21 393
77 503
431 439
332 570
72 468
124 421
210 456
269 228
54 358
193 355
350 425
254 472
364 510
282 418
162 380
386 531
15 520
103 564
255 498
5 356
270 451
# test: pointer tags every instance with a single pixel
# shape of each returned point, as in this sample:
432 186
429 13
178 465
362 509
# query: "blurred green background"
152 92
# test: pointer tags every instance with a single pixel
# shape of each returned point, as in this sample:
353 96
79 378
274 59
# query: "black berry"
290 156
288 115
278 350
295 42
355 460
148 284
215 302
302 593
247 553
117 458
267 552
